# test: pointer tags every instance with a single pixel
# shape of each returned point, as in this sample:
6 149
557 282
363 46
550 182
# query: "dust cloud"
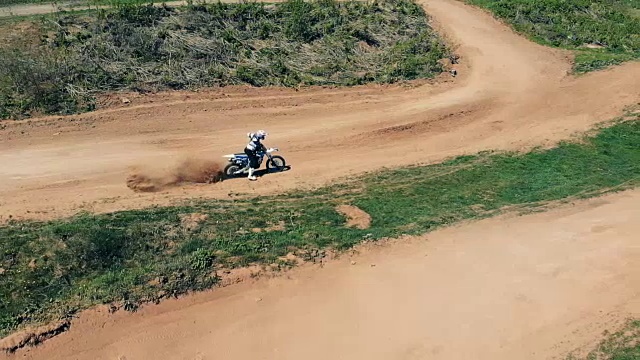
146 178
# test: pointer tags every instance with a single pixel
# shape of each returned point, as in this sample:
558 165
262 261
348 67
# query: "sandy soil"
510 94
529 287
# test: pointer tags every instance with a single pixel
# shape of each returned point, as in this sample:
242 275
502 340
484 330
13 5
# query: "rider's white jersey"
254 143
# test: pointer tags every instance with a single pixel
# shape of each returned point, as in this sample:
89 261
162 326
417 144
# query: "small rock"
56 134
453 72
373 265
258 299
125 100
353 263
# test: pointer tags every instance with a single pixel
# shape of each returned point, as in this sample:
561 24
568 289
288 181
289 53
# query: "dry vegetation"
148 48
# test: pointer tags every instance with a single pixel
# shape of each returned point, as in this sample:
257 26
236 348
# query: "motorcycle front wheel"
276 163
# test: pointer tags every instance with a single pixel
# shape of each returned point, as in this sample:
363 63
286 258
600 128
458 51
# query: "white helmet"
261 134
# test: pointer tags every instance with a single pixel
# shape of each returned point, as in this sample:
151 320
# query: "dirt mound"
192 221
189 170
356 217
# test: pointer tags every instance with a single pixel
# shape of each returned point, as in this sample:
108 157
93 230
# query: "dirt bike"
238 163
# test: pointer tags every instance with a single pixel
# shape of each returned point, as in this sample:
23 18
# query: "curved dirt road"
529 287
511 94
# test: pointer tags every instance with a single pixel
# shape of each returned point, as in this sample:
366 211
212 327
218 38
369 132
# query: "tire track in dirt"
510 94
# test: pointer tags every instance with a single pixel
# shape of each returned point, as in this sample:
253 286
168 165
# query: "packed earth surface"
531 287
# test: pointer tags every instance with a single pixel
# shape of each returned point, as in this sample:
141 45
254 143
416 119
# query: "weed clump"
623 344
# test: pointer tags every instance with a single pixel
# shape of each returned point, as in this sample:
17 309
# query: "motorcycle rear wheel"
230 170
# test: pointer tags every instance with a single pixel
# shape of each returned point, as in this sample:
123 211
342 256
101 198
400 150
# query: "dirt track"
520 288
529 287
510 94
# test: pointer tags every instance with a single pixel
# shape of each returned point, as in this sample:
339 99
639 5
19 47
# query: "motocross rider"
253 147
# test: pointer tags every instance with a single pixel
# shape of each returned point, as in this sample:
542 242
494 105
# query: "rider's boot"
251 176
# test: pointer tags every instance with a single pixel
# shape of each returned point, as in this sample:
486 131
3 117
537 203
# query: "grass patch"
621 345
50 270
571 24
148 48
